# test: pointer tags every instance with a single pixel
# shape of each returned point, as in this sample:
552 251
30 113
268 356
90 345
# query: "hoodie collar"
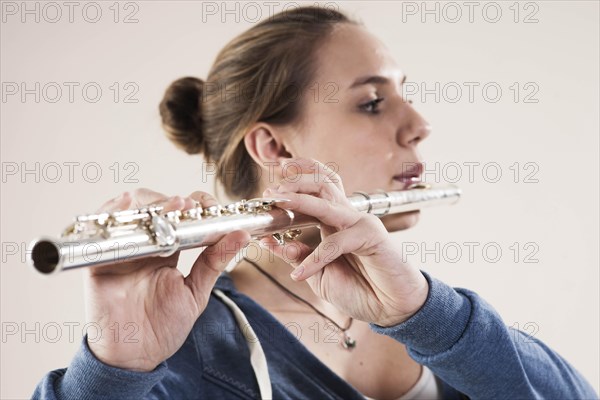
225 283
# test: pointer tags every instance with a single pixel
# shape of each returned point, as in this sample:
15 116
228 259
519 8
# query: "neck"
247 275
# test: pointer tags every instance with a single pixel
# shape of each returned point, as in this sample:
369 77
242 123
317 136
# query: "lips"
411 175
407 181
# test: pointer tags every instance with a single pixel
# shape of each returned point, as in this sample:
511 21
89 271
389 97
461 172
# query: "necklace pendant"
348 342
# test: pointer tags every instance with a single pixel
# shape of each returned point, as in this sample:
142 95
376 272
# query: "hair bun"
180 110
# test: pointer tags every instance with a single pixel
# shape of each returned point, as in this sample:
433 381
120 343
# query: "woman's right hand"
145 309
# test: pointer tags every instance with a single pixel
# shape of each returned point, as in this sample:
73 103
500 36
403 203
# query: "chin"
398 222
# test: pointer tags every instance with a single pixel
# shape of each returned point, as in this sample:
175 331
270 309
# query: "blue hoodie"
456 334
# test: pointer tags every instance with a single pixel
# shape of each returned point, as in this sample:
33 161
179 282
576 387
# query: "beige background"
554 221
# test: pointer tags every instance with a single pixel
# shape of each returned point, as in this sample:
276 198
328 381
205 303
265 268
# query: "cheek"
368 172
361 173
320 139
353 147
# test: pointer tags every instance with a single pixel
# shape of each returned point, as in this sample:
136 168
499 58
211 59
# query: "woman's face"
357 121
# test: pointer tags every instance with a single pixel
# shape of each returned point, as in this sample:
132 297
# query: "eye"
372 106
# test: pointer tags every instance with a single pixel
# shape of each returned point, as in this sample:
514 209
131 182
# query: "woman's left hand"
356 267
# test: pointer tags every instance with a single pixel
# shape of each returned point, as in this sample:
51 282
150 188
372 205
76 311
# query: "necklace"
348 343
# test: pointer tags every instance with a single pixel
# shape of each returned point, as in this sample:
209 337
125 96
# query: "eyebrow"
370 79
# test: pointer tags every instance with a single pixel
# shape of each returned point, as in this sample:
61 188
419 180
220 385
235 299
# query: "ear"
265 145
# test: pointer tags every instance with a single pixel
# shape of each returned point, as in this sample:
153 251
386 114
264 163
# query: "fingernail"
174 198
297 272
271 190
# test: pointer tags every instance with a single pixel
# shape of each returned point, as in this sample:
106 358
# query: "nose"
413 128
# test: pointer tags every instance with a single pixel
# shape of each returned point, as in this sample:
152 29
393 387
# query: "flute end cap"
45 257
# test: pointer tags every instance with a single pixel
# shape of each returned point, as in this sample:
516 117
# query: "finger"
199 199
335 215
296 166
292 253
129 266
311 184
121 202
331 248
212 262
139 198
205 199
171 204
143 197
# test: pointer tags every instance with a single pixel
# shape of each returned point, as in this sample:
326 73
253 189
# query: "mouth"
410 177
407 181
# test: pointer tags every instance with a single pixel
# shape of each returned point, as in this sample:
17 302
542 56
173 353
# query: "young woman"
305 106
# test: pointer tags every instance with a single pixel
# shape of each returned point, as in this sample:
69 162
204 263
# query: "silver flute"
109 238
